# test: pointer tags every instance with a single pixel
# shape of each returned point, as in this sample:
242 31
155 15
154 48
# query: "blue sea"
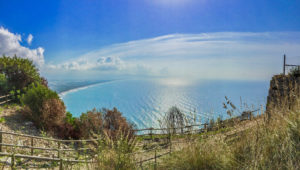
145 101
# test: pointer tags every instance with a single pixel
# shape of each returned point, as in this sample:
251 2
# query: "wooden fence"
62 158
285 65
84 148
59 149
5 99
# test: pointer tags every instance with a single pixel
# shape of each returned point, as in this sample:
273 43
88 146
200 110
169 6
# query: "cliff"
284 94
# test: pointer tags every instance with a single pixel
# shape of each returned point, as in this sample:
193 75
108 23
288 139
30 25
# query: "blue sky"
71 36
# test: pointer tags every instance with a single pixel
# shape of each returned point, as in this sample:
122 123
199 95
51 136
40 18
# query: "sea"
145 101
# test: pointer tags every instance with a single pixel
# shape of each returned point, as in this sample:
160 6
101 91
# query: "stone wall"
284 94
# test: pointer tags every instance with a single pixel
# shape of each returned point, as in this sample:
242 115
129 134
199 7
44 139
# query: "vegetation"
42 106
273 145
116 153
47 111
295 71
268 144
19 73
96 122
3 84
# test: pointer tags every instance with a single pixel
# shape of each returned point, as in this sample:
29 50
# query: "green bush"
3 84
42 104
19 72
295 71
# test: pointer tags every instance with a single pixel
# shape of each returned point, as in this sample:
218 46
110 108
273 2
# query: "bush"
91 122
44 107
114 123
295 71
19 72
3 84
53 113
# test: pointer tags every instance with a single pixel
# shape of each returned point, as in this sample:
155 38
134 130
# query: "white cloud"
85 64
228 55
10 46
29 39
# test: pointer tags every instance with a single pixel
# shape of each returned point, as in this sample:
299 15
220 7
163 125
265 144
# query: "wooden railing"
86 148
5 99
59 157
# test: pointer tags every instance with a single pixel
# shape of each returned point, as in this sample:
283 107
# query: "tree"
19 72
174 118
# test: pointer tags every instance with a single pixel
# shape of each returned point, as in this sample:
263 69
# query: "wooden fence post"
13 161
170 143
61 164
151 133
141 164
58 151
0 139
31 145
284 58
155 159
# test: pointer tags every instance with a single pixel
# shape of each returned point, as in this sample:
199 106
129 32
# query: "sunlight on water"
143 102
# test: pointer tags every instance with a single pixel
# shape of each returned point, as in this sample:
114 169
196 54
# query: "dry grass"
272 145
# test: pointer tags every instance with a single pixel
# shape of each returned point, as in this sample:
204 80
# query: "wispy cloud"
228 55
10 46
29 39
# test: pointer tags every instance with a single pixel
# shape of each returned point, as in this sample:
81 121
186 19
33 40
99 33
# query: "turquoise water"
144 101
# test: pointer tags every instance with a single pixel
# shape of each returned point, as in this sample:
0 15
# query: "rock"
28 123
283 94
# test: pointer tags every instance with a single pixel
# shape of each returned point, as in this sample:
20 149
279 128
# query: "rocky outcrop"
284 94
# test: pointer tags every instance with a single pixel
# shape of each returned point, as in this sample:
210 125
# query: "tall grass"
272 145
116 152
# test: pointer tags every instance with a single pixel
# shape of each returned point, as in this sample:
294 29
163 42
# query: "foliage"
114 123
96 122
3 84
273 145
91 122
19 72
295 71
212 155
267 145
116 153
173 119
43 105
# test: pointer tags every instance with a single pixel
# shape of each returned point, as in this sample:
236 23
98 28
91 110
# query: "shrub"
67 130
44 105
91 122
295 71
116 153
3 84
106 122
19 72
53 113
114 123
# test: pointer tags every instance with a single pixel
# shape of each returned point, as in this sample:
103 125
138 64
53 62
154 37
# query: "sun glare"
171 2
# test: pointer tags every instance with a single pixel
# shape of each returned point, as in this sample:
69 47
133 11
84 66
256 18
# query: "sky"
211 39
